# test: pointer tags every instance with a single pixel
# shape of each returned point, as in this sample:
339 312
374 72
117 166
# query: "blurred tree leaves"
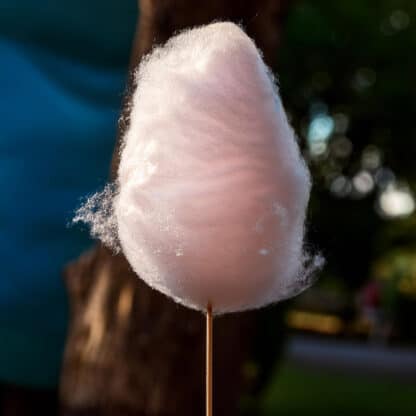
353 62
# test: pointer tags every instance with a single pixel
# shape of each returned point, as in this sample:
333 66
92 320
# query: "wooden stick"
208 361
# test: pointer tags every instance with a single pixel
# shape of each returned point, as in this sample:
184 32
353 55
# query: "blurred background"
347 78
346 71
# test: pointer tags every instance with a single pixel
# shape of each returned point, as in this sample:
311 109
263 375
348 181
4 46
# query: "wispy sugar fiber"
211 190
98 213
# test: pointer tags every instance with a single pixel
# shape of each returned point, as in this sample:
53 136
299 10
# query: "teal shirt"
63 67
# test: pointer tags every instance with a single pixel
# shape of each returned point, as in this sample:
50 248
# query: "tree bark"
131 350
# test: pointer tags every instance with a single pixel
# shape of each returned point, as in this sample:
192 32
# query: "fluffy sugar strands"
211 194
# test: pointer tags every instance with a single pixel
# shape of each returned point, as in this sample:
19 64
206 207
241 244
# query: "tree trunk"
131 350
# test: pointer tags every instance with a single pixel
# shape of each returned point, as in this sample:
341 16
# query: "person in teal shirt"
62 76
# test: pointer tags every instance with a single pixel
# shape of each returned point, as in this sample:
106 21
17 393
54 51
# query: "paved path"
353 357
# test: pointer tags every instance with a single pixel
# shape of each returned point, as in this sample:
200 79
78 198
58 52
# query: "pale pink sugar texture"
212 189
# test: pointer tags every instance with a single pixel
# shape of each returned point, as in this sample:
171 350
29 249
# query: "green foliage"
351 67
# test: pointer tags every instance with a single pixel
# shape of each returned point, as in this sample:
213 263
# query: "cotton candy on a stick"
211 194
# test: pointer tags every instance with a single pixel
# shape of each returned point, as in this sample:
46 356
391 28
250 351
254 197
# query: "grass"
296 391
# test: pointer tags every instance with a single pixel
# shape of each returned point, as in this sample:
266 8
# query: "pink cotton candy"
212 190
